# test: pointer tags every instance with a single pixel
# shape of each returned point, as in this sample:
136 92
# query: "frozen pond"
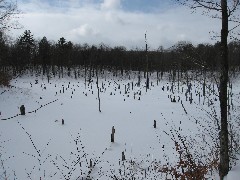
39 145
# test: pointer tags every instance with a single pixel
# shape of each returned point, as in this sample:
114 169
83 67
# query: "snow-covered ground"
38 145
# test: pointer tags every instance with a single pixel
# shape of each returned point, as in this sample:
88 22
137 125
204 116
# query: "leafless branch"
8 10
236 3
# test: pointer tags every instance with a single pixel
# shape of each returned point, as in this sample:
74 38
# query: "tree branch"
208 5
235 5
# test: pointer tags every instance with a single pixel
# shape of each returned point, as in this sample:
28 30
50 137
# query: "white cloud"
84 30
111 4
91 24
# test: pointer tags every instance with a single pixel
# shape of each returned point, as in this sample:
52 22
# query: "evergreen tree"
26 47
61 46
44 53
64 50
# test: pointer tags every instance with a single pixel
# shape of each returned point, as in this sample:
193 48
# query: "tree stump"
113 130
112 137
123 156
154 124
91 163
22 110
174 99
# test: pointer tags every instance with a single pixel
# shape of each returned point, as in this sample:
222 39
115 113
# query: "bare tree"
226 11
8 10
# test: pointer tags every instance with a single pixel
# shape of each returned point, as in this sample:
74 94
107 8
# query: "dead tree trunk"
224 151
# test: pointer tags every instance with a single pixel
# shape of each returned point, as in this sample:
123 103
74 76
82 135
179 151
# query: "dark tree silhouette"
8 10
25 46
44 53
4 50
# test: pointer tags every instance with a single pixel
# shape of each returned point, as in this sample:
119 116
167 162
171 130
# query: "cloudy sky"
116 22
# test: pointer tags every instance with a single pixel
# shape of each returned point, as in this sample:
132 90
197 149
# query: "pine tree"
26 47
44 53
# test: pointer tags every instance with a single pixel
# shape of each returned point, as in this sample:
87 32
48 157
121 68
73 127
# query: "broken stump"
113 130
123 156
112 137
22 110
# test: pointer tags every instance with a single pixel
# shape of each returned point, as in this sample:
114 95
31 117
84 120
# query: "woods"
26 51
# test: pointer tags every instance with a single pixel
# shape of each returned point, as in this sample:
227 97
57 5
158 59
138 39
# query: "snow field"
86 131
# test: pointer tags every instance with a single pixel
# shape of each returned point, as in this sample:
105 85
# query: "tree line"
26 50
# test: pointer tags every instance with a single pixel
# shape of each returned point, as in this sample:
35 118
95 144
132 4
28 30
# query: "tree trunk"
224 154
